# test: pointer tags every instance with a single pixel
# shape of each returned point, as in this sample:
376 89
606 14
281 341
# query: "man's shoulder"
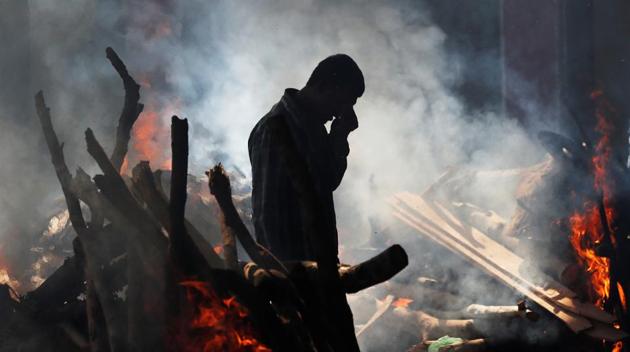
264 128
271 119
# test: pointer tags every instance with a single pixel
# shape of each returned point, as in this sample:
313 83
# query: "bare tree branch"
131 109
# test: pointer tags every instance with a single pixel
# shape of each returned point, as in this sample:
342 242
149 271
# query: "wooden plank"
501 257
382 308
574 322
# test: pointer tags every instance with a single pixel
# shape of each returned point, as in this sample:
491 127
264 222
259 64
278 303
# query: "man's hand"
347 120
219 183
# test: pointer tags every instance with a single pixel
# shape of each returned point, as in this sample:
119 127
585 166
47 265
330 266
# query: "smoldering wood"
86 235
231 222
177 201
416 323
115 190
480 311
110 198
431 297
183 250
147 271
373 271
577 323
223 280
561 303
97 333
358 277
430 327
267 273
219 186
58 161
146 186
130 112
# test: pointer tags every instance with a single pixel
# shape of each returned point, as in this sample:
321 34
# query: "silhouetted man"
330 94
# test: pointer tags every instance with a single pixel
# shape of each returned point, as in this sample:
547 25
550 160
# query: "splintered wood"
431 219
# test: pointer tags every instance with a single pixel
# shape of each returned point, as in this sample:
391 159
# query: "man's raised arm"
339 131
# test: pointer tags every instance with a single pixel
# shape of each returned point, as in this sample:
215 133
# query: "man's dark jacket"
276 209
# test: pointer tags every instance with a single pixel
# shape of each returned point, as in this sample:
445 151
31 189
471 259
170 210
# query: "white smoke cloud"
236 62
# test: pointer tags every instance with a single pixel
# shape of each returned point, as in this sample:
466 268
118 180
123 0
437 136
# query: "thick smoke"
412 126
223 64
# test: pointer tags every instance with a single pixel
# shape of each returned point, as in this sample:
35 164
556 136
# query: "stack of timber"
431 219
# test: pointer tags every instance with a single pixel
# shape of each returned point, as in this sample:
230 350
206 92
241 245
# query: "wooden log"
231 222
58 160
414 322
183 251
429 327
430 298
219 186
358 277
85 234
146 256
97 333
130 112
146 187
179 182
479 311
114 188
373 271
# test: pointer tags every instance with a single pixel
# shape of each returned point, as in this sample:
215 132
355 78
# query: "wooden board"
436 222
383 307
503 258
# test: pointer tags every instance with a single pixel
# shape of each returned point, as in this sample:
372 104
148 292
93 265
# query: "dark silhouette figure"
329 94
296 166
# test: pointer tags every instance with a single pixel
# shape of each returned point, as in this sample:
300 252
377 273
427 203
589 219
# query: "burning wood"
433 220
143 275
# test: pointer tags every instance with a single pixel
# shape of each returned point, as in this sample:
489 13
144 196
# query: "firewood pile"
143 277
543 252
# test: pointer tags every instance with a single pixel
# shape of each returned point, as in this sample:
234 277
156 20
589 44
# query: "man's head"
335 84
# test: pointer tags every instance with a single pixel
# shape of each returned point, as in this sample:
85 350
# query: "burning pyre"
209 323
593 232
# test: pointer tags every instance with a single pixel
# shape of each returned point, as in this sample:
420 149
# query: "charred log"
131 109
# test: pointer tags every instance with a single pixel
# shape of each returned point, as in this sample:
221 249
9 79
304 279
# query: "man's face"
339 99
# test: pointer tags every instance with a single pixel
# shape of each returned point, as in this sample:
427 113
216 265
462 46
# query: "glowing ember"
216 324
218 249
402 302
617 346
622 297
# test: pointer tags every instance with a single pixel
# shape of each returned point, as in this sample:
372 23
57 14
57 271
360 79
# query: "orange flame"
218 249
216 324
622 297
586 226
6 279
586 234
402 302
150 138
